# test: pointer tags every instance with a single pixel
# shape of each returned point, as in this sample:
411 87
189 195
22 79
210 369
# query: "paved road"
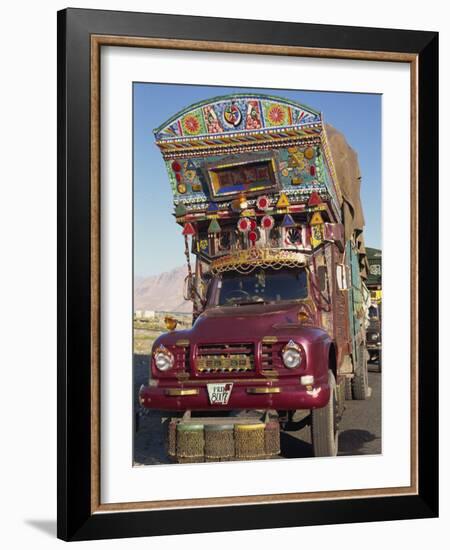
360 428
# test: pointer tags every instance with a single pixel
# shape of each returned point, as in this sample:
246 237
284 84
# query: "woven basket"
249 441
219 442
190 443
272 438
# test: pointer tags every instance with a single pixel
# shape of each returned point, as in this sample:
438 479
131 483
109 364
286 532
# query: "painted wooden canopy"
234 114
242 162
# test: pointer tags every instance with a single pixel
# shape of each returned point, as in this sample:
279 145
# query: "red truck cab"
259 334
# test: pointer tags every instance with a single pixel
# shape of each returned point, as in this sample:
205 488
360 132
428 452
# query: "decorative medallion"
309 153
253 236
214 227
316 219
283 201
267 222
314 199
188 229
277 115
244 225
192 124
232 115
288 221
263 203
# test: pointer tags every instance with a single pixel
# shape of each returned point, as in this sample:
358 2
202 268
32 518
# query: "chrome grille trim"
213 354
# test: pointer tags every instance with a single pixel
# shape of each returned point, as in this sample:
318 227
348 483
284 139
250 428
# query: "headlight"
292 355
374 336
164 359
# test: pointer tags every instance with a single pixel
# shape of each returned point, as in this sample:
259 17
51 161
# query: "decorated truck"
267 199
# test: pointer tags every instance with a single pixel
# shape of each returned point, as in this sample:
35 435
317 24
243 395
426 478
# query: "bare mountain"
163 292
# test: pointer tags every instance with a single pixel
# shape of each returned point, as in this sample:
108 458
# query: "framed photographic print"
247 274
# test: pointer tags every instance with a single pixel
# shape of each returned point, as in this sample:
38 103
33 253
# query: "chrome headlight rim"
163 358
291 355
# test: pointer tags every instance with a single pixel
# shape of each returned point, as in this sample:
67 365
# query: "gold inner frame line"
97 41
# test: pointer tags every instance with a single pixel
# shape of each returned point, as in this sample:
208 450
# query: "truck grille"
225 358
271 356
186 358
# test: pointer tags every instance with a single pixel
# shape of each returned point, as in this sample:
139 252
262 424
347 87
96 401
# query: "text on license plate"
219 394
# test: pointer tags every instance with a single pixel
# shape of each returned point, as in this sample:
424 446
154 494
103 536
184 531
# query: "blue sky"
158 244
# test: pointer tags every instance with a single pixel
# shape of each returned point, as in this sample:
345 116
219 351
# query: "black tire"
324 433
340 400
379 361
348 389
360 381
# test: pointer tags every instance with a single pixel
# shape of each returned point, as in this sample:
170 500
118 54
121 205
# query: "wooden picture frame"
81 35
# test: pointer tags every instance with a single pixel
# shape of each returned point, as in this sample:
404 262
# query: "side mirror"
322 276
342 278
170 322
189 283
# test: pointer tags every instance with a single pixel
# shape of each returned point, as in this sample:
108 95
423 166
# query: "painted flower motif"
191 124
276 114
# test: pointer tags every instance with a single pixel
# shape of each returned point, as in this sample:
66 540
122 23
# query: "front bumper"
264 395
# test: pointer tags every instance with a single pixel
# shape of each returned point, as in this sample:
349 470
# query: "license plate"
219 394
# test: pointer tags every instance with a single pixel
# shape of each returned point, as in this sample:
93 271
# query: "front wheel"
348 389
324 433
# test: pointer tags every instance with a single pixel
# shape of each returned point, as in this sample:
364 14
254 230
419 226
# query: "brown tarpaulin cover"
349 176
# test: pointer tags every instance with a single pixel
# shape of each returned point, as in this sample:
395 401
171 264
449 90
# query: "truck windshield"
262 286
